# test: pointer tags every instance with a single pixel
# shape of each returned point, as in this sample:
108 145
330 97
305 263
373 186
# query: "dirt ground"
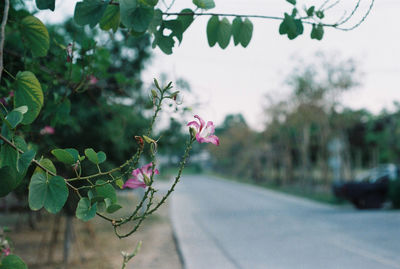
94 244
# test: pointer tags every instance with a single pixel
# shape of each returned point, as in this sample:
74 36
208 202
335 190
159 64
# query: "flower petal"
194 124
133 183
202 122
210 126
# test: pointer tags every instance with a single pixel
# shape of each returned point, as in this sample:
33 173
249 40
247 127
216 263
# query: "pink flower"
204 133
92 80
11 94
6 251
47 130
141 176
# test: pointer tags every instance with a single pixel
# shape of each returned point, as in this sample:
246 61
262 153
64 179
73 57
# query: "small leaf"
92 155
119 183
236 28
46 4
165 43
14 118
89 12
246 32
293 2
212 30
29 93
35 35
113 208
110 19
320 14
63 156
74 153
12 262
85 210
50 193
46 163
310 11
204 4
106 190
317 32
101 156
224 33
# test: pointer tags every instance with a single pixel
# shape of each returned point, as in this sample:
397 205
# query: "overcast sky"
235 80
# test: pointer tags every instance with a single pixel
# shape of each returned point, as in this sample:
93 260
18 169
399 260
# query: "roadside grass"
316 193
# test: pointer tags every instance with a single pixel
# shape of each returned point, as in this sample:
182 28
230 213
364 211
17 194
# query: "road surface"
226 225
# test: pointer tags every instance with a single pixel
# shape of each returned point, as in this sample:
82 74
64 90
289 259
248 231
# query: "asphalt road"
221 224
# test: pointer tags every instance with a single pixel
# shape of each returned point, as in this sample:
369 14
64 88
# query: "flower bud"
154 93
193 132
148 139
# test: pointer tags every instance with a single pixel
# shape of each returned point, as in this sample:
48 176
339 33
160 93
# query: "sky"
236 80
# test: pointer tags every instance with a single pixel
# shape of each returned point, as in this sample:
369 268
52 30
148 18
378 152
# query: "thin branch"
361 21
2 33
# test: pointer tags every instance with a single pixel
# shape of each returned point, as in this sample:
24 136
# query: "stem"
8 142
2 33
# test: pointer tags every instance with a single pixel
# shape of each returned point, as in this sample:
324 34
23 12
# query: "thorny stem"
11 144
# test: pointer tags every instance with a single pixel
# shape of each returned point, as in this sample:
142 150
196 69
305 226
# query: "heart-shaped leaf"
50 193
85 210
35 35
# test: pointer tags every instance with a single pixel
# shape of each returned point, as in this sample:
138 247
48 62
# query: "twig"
2 33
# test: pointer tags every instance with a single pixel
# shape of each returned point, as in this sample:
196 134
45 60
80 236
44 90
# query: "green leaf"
46 163
74 153
63 156
8 180
14 118
127 8
89 12
119 183
13 262
46 4
204 4
29 93
25 160
113 208
36 36
293 2
150 3
141 19
176 27
8 156
85 210
186 20
212 30
246 32
106 190
290 26
317 32
92 155
156 21
310 11
111 18
50 193
224 33
20 143
101 156
236 29
320 14
165 43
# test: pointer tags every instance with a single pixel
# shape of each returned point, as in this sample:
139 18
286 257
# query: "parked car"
370 189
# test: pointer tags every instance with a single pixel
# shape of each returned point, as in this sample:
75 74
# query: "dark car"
370 189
